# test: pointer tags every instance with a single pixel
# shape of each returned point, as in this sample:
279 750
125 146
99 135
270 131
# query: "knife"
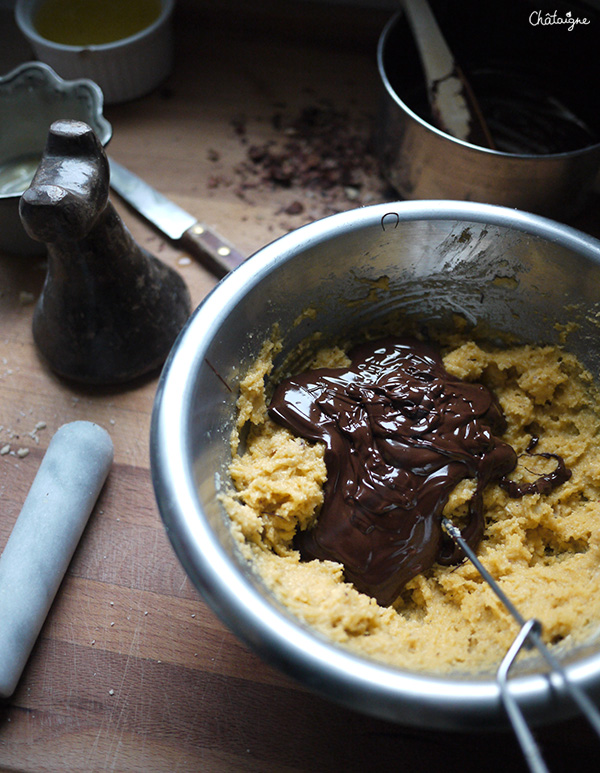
174 222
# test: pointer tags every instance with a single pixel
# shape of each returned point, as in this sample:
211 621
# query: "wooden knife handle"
211 249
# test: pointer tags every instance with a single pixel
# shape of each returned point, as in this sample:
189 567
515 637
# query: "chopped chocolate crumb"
322 156
295 208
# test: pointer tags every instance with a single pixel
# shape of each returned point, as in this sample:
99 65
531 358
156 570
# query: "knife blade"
174 222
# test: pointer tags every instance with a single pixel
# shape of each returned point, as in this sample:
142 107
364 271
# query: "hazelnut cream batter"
517 473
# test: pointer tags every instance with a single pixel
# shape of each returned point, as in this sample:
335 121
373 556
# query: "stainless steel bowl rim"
450 702
499 153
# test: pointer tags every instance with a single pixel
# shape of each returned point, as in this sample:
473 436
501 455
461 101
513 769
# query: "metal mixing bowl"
510 271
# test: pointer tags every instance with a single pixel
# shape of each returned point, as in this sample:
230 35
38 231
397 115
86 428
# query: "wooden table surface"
132 672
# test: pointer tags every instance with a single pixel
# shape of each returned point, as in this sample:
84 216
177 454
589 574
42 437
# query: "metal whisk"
529 636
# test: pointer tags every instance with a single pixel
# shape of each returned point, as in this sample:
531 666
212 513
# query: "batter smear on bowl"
400 434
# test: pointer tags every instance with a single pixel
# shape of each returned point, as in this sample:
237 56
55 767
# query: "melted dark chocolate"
400 434
543 485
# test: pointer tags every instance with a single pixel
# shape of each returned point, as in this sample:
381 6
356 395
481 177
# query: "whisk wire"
529 636
524 735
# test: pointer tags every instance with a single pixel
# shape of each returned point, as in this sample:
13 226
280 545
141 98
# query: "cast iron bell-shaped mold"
109 311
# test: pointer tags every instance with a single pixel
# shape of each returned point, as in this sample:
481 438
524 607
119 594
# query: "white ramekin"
124 70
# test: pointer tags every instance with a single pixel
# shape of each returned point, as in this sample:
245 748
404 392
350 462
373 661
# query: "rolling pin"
44 538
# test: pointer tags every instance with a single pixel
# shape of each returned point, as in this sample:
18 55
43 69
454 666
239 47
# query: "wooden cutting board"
132 672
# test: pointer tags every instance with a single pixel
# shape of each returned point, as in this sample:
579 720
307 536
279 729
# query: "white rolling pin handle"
44 538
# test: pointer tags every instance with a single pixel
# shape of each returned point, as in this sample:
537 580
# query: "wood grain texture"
132 671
